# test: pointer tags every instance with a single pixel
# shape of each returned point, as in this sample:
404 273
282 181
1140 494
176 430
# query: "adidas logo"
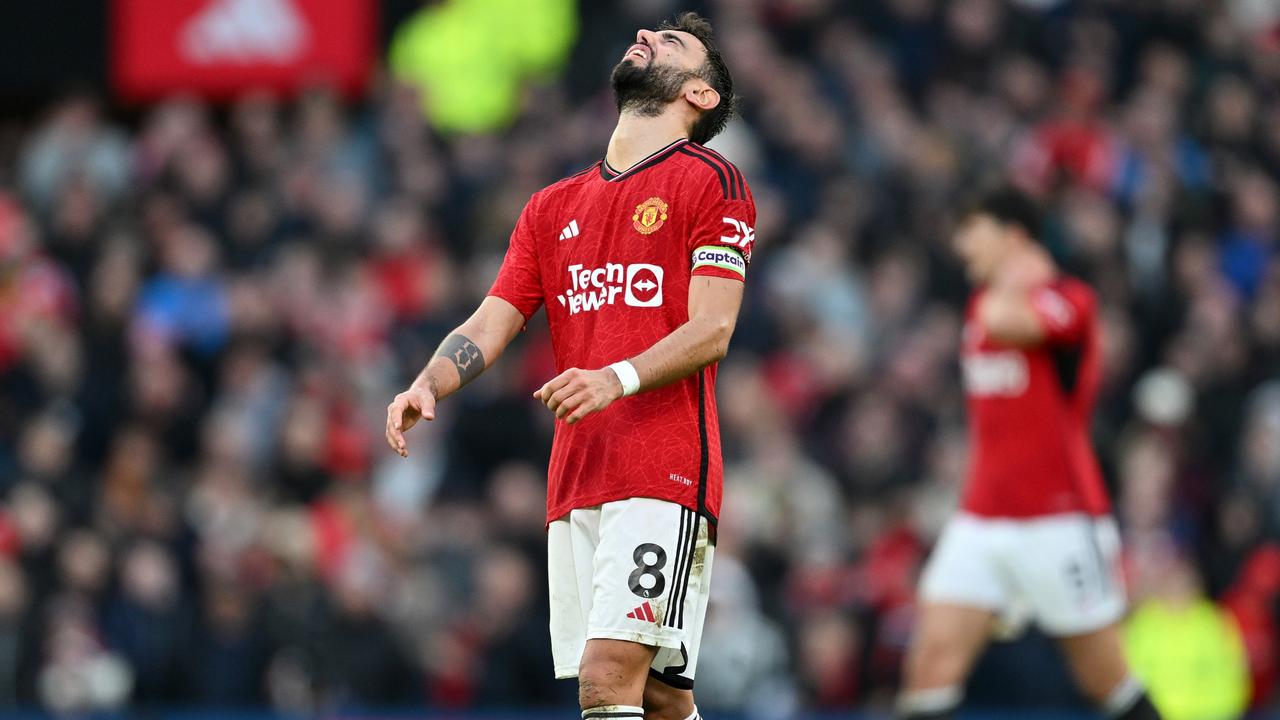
644 612
570 230
245 31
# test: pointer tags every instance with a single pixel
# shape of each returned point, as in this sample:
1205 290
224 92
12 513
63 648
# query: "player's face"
981 241
673 48
655 69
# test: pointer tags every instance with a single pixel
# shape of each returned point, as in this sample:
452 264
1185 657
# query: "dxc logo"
743 235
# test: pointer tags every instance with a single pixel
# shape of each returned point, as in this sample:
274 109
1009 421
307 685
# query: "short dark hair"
714 71
1010 206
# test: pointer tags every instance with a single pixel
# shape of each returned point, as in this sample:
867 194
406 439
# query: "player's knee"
1097 662
1096 686
933 663
599 684
606 678
1098 680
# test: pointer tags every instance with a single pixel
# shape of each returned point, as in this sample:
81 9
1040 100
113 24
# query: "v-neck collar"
611 175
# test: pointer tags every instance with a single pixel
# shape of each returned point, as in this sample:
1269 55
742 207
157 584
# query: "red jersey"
1030 409
610 254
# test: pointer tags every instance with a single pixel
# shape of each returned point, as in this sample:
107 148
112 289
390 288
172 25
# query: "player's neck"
636 138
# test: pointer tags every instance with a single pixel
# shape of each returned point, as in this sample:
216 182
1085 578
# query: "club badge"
649 216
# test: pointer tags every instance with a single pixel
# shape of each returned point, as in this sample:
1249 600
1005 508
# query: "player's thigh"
640 569
640 596
945 644
962 590
676 666
964 568
1096 660
571 550
1068 569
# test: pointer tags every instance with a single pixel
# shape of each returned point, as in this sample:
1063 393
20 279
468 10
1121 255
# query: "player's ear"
701 95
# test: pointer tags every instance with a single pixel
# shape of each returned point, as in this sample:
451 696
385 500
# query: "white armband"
628 376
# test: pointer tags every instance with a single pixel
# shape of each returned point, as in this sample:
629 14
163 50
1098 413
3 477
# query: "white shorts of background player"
1060 571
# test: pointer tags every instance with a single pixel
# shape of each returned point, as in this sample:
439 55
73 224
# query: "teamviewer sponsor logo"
644 285
1002 374
639 285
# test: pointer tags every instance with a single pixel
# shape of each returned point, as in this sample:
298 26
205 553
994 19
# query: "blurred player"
1034 535
640 262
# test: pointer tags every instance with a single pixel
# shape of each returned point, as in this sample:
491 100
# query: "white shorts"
637 570
1063 571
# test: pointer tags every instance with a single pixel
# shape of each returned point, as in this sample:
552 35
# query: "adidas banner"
221 48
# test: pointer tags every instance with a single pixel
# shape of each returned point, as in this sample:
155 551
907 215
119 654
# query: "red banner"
219 48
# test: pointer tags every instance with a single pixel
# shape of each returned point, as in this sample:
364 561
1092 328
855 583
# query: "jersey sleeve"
724 229
519 279
1065 311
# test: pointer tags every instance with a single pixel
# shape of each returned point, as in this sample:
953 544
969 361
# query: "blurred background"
232 230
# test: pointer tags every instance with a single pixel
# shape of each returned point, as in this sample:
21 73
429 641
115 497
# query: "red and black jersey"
1030 409
611 254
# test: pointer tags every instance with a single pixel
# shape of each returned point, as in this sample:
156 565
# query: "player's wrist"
426 384
628 378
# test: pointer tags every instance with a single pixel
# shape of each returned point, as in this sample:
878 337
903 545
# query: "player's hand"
404 412
575 393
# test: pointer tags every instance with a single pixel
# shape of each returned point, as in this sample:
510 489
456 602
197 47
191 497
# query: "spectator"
1186 650
150 623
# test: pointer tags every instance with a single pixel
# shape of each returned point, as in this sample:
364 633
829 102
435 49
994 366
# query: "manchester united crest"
649 216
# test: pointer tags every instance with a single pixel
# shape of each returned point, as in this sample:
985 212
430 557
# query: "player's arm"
1007 310
702 340
475 344
1024 307
1008 318
465 353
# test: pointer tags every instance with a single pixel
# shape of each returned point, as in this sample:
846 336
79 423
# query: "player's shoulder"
555 195
709 170
1074 289
1064 302
571 183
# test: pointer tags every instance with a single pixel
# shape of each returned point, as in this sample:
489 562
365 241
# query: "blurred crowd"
204 312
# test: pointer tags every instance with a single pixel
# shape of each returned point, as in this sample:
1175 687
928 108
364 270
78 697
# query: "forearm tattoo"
465 355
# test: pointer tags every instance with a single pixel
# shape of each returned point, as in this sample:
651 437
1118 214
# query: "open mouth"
639 51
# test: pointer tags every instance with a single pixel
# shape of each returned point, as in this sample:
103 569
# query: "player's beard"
647 89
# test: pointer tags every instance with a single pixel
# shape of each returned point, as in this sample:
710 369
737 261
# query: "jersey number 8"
656 583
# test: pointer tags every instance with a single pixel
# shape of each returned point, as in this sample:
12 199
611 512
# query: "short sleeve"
724 229
519 279
1065 311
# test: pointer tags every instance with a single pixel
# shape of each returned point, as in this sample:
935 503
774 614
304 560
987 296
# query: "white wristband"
628 376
